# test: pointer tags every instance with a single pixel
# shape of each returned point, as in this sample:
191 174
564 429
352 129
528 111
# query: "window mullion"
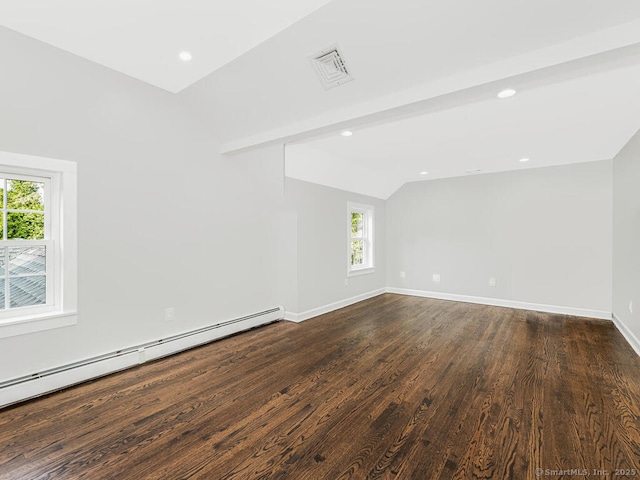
7 295
363 238
5 194
5 249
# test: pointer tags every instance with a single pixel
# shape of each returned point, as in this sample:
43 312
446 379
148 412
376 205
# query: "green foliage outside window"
23 195
357 252
357 246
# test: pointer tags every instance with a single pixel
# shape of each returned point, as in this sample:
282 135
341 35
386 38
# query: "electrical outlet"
169 314
492 282
630 307
436 278
403 275
346 282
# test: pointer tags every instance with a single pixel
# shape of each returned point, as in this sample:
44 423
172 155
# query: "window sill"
36 323
361 271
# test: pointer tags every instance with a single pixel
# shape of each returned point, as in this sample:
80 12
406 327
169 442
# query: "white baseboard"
627 333
301 317
538 307
23 388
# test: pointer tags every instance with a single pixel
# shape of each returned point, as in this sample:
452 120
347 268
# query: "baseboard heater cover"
31 386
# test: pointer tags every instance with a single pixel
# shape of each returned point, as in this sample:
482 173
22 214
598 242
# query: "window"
360 239
38 279
26 246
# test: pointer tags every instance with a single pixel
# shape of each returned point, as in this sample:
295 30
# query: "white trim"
539 307
361 271
61 243
47 242
626 333
39 163
37 323
314 312
368 211
78 372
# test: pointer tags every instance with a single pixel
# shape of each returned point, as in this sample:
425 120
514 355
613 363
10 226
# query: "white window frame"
60 309
48 242
368 265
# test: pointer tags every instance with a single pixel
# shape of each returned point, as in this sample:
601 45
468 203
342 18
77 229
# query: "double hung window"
26 245
360 238
38 276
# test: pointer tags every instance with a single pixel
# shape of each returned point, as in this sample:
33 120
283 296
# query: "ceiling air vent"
331 68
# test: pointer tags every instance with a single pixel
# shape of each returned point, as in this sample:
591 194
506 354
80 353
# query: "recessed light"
346 133
185 56
523 160
506 93
424 173
474 170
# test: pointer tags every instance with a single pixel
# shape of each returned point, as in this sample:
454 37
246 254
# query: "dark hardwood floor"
391 388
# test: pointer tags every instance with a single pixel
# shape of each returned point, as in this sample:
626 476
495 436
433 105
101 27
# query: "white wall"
322 245
626 236
544 234
163 219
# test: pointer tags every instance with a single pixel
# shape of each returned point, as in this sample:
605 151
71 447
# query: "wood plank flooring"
391 388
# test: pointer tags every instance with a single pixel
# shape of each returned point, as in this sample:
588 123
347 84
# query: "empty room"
313 239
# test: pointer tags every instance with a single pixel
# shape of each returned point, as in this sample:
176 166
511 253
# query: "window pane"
28 291
1 192
26 226
357 224
357 252
27 260
24 195
2 226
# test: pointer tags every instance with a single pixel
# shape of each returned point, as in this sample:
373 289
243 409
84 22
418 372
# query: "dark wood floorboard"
394 387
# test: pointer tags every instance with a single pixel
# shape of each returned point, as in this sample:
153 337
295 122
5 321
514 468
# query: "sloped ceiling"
394 48
143 38
426 74
583 119
424 95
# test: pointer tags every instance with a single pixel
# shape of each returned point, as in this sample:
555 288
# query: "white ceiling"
393 47
425 77
584 119
142 38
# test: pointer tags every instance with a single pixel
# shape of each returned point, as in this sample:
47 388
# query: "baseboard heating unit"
40 383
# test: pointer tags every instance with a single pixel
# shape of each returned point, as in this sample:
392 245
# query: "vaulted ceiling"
426 74
580 119
143 38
